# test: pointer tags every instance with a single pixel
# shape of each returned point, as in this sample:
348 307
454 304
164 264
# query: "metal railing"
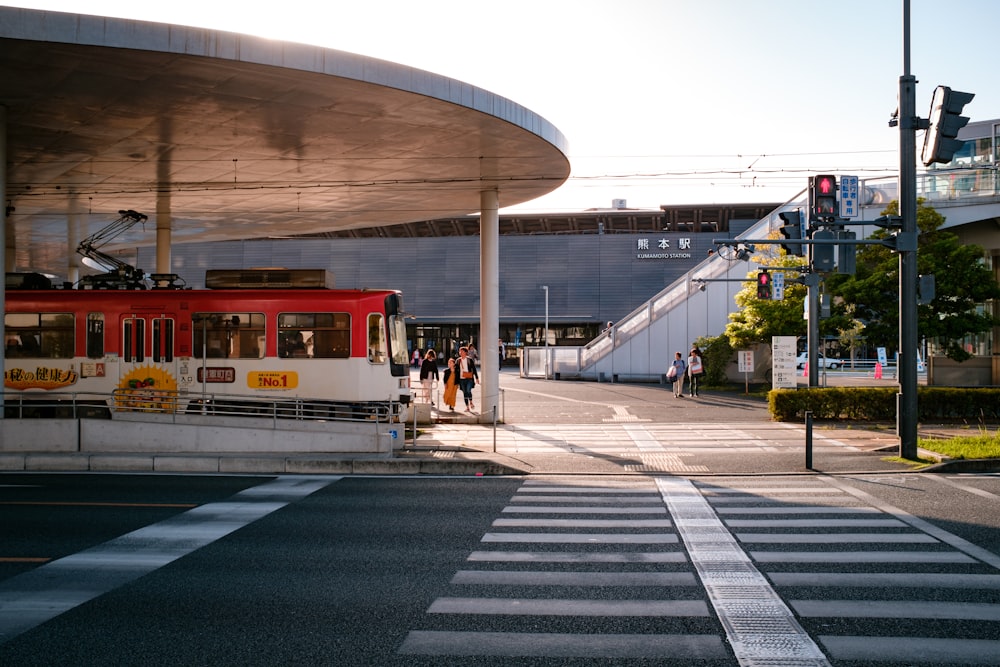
73 405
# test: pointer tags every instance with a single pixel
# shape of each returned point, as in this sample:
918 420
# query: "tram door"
147 375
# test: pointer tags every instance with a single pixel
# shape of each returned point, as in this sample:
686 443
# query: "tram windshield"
399 354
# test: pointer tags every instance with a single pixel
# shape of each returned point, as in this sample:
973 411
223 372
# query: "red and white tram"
252 334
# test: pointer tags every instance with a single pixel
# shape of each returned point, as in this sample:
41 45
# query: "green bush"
716 354
980 405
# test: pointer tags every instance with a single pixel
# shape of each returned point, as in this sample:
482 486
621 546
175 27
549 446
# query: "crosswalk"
639 447
798 571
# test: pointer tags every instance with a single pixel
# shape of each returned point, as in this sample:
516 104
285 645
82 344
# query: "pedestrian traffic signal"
823 197
763 285
940 142
791 229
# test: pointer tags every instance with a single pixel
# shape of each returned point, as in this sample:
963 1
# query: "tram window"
48 335
318 335
377 348
228 335
163 340
133 340
95 335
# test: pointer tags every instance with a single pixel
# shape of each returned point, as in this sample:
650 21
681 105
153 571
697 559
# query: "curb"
254 465
964 465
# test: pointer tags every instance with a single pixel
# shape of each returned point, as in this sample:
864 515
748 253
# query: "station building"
597 265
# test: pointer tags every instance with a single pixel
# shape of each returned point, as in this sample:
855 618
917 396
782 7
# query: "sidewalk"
531 403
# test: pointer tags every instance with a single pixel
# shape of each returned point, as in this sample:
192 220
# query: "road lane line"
913 650
923 609
582 538
886 580
692 648
578 557
32 598
964 487
564 578
570 607
950 539
66 503
536 509
938 557
582 523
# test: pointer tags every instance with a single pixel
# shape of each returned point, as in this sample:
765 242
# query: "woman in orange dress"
450 385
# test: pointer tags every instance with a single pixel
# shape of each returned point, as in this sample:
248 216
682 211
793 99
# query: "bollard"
809 440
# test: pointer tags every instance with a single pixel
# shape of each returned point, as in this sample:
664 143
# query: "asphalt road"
878 569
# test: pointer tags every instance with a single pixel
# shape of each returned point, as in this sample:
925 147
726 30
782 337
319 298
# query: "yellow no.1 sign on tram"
276 380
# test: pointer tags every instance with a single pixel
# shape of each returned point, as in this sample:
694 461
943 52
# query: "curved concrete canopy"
237 136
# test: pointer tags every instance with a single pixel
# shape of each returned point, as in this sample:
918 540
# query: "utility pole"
906 399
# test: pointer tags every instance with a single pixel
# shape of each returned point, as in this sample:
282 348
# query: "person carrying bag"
465 366
695 370
676 375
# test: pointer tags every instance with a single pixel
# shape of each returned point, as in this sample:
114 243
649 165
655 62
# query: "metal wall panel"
591 277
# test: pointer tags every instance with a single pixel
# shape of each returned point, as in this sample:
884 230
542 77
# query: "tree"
963 284
758 320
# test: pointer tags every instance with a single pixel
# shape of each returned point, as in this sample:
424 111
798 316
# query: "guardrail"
72 405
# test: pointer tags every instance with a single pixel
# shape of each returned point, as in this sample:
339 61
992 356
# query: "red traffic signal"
763 285
823 196
826 185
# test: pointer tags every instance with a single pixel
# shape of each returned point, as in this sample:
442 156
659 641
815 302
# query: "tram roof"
240 137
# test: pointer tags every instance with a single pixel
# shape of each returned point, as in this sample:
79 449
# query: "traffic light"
763 285
822 255
792 231
823 197
847 252
945 121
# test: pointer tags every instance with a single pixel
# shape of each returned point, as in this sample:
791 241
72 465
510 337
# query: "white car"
821 360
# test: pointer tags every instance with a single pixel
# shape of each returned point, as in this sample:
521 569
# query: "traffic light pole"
906 399
812 327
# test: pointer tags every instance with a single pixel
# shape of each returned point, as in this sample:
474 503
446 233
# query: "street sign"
783 362
850 197
778 285
745 359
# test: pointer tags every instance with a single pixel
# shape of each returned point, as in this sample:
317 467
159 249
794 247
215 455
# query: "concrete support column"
74 226
164 228
164 219
489 299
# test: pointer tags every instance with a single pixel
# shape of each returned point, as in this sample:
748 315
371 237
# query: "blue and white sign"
850 197
778 285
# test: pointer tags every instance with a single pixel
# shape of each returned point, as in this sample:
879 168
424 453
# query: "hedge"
879 404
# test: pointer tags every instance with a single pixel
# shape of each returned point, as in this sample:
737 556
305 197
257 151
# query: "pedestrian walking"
695 370
465 366
429 374
450 385
503 351
676 374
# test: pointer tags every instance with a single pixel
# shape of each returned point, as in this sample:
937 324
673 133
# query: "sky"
680 102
